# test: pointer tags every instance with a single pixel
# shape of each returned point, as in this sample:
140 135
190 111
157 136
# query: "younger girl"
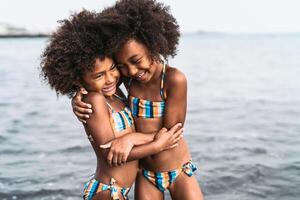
157 94
76 58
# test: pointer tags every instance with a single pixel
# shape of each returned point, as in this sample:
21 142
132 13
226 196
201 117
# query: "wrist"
128 140
157 146
131 139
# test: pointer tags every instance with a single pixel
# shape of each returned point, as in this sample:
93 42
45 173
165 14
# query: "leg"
105 195
186 188
144 190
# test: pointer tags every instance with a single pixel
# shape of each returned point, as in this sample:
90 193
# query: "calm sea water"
243 121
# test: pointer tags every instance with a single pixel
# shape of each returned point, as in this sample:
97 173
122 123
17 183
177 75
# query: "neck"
157 72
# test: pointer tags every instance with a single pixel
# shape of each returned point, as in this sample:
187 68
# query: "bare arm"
82 109
176 100
164 139
122 148
98 125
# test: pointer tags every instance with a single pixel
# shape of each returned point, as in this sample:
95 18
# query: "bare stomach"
165 160
124 175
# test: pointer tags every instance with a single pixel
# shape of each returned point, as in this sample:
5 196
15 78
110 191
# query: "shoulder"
174 77
94 98
97 101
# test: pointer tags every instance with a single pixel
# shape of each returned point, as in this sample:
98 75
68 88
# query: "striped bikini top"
146 108
120 120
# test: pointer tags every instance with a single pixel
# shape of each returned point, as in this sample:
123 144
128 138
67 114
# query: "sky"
236 16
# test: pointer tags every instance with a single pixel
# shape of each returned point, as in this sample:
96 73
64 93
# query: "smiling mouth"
140 75
109 88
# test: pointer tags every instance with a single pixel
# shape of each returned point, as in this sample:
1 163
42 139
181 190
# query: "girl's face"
104 77
134 61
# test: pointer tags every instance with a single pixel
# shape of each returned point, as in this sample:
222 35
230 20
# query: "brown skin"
101 84
134 61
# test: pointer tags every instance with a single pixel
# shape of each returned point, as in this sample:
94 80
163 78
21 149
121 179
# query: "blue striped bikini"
93 187
146 108
120 120
152 109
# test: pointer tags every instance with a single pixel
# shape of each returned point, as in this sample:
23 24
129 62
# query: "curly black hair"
73 50
148 22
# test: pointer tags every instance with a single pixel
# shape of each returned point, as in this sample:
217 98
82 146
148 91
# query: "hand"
169 139
81 109
119 150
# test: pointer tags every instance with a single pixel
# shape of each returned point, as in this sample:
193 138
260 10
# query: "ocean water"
242 126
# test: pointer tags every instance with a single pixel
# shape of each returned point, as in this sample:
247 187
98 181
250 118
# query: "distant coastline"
25 36
10 31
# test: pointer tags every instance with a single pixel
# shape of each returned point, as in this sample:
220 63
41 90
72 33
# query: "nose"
110 78
132 70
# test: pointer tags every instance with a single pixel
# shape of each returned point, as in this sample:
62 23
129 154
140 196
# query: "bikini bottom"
93 187
162 180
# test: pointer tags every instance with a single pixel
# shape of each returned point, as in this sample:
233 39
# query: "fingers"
82 91
163 130
176 139
173 146
124 158
77 101
110 157
81 104
82 110
175 127
81 116
178 133
115 160
81 120
120 159
105 146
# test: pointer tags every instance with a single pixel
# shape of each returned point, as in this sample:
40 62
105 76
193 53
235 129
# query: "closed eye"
100 75
113 67
137 61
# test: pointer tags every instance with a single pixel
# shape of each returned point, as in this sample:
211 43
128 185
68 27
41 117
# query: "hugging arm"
144 144
99 127
82 110
175 110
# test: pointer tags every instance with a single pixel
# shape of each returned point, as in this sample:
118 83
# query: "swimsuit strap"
110 107
114 189
119 98
163 74
189 168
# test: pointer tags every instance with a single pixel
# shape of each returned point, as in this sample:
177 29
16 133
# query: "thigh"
105 195
144 190
185 187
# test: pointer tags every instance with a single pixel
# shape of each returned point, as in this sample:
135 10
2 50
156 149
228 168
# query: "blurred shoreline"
10 31
25 36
